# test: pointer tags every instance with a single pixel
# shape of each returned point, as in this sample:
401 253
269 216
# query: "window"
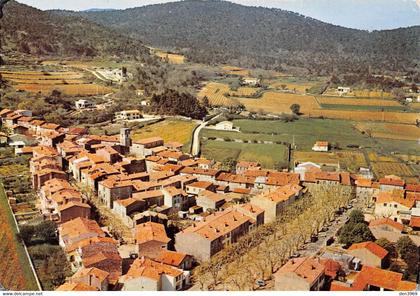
385 204
395 206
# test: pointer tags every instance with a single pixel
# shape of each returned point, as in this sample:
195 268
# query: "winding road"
195 147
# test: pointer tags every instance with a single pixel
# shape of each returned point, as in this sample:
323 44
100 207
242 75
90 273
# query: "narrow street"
195 147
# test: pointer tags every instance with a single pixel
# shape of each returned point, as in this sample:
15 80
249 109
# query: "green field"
268 155
364 108
305 132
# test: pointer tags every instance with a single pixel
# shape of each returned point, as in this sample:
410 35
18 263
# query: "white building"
321 146
250 81
343 90
84 104
128 115
225 126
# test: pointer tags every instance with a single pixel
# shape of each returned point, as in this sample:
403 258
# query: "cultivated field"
357 102
68 83
172 58
361 93
16 273
217 93
235 71
272 102
170 130
382 169
390 130
268 155
351 160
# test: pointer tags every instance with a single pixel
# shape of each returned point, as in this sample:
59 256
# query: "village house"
243 166
110 190
175 259
150 239
40 177
128 115
235 181
142 148
209 200
73 210
206 238
370 254
225 126
77 230
92 277
125 207
366 189
300 274
274 202
202 163
201 174
302 168
84 104
175 198
394 205
321 146
391 183
199 186
150 198
375 279
148 275
342 90
251 81
252 211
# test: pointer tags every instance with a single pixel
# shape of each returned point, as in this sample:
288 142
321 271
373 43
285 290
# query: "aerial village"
172 211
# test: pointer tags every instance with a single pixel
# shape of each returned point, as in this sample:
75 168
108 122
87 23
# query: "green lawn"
268 155
24 270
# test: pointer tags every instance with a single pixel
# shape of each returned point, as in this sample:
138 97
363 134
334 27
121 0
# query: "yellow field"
374 157
236 71
299 88
244 91
67 90
170 130
382 169
172 58
350 159
397 117
390 130
31 75
357 102
370 93
215 92
280 103
405 157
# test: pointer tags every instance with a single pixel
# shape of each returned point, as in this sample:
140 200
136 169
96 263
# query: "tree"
229 164
295 109
353 233
387 245
356 216
406 246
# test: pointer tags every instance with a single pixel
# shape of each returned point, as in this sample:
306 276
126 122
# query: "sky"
359 14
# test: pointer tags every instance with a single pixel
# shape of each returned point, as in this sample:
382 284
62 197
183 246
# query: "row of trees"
263 251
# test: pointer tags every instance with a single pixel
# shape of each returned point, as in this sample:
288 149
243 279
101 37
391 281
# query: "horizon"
377 17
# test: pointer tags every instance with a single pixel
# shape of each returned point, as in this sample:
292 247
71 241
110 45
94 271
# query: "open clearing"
382 169
220 94
268 155
170 130
79 90
172 58
357 102
352 160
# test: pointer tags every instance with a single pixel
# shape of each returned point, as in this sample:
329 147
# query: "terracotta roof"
364 183
340 286
218 224
90 241
149 140
381 278
201 184
283 193
252 209
151 231
173 191
396 196
68 287
211 195
5 111
80 226
392 181
188 162
49 125
309 269
37 122
386 221
73 204
148 194
242 190
144 267
233 178
415 222
281 178
198 171
332 267
127 202
171 258
413 187
93 271
321 144
25 119
375 249
157 176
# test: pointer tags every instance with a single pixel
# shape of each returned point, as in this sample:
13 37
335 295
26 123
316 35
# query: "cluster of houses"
147 183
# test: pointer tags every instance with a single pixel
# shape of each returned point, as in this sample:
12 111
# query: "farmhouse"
84 104
343 90
128 115
369 253
225 126
251 81
150 239
321 146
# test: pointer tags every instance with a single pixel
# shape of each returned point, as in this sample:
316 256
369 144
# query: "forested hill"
215 31
28 30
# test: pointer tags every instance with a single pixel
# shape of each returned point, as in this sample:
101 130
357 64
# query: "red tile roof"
386 221
151 231
415 222
371 247
391 181
171 258
309 269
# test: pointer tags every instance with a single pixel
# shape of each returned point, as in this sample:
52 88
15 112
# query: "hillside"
28 30
215 31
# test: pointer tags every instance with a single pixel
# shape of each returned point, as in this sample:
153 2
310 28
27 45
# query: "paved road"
195 147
